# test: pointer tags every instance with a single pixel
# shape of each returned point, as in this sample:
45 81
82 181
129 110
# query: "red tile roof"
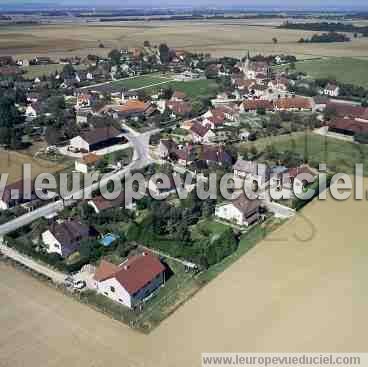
179 95
252 105
133 274
348 110
199 129
180 108
299 103
348 125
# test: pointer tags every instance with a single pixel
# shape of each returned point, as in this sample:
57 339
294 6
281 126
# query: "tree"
164 53
9 117
253 151
68 71
167 93
114 55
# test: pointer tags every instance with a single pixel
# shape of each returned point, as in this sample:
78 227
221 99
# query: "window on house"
112 289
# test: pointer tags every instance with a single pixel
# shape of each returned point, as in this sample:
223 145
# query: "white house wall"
53 245
120 295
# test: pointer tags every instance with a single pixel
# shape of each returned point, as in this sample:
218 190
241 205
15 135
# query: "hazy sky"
260 4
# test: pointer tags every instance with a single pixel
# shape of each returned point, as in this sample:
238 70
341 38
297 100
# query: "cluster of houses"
254 88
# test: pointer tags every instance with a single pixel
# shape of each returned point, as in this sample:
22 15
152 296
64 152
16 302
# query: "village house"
167 147
214 117
32 111
17 193
320 103
131 109
159 189
83 101
252 69
99 203
179 108
87 163
201 134
241 211
185 156
82 116
129 95
253 105
231 113
259 90
178 96
96 139
65 238
331 90
280 84
292 180
131 282
252 171
214 155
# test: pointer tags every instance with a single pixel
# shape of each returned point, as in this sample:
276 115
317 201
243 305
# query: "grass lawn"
139 82
178 288
247 242
207 228
339 155
194 89
344 70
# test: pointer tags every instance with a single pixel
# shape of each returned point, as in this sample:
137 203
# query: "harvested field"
12 162
235 39
300 290
35 71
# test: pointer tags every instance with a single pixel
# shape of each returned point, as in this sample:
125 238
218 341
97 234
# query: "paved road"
141 159
30 217
56 276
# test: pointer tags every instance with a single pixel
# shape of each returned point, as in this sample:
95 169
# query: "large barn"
96 139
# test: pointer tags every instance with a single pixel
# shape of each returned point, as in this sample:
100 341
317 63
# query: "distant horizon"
236 5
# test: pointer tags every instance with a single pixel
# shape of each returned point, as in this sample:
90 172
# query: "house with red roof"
131 282
201 134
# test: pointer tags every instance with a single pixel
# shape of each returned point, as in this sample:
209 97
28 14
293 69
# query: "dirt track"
302 289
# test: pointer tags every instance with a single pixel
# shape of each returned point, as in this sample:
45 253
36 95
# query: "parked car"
79 284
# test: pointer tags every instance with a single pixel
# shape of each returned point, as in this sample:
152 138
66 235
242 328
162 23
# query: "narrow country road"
56 276
141 159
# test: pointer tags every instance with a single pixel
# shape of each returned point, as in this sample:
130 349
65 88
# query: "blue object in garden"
108 239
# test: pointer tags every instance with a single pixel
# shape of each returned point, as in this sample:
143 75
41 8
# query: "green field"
344 70
193 89
340 156
139 82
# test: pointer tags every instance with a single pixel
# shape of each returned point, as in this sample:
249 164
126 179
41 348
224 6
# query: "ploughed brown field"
303 289
219 37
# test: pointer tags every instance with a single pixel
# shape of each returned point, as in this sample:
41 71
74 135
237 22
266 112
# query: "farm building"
96 139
